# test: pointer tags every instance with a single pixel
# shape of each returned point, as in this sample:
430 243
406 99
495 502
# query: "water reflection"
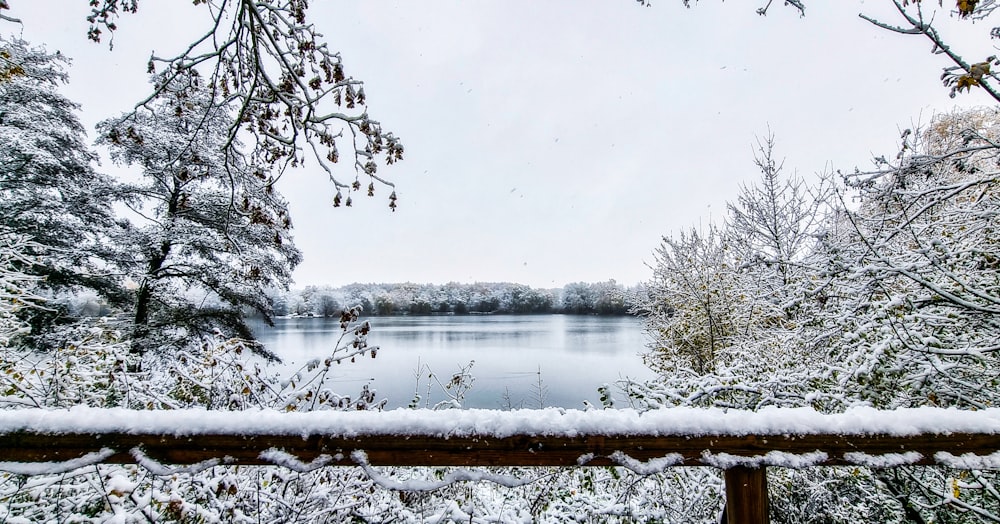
575 355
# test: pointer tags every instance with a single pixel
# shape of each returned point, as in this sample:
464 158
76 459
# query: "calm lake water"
573 356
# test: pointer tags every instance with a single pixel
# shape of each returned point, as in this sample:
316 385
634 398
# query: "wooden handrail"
741 443
721 451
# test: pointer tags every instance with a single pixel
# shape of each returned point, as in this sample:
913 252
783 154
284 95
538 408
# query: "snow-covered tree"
728 297
893 304
734 313
693 315
211 234
919 282
913 305
49 191
727 313
773 224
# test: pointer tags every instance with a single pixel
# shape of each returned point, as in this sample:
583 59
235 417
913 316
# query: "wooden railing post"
746 495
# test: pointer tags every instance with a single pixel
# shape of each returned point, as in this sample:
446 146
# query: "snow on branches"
267 63
208 223
892 298
16 287
49 190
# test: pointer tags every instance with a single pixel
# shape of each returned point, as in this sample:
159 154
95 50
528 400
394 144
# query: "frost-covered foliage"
453 388
212 233
94 366
890 299
831 495
276 494
692 291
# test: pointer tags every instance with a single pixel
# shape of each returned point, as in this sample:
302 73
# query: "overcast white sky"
558 141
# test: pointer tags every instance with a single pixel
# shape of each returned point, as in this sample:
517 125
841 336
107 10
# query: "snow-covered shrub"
883 293
224 374
89 367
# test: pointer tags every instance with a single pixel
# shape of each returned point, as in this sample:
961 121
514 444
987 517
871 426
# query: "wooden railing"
741 443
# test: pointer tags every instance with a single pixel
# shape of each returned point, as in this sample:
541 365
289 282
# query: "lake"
572 355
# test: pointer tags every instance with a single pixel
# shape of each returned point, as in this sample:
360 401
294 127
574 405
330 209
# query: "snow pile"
771 458
56 468
458 475
652 467
500 424
968 460
883 461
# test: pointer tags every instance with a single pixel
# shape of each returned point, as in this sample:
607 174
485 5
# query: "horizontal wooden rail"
721 451
742 443
784 437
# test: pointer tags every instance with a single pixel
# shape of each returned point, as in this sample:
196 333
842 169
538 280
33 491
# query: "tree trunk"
140 327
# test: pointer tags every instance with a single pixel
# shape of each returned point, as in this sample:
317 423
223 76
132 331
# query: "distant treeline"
580 298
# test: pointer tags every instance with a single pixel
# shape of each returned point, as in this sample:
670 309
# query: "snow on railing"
740 442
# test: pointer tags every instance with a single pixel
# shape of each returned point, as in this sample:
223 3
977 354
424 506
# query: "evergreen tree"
49 191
